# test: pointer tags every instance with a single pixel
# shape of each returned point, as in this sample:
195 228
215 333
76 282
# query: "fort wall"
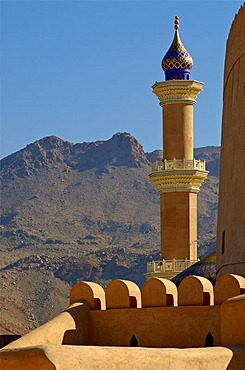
166 327
159 315
121 358
230 256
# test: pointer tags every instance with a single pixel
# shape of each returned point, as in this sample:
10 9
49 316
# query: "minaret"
179 176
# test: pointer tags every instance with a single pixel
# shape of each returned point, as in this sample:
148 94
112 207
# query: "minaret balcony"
167 268
178 175
179 164
177 91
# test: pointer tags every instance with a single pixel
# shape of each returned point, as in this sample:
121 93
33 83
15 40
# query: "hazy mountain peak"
49 142
121 150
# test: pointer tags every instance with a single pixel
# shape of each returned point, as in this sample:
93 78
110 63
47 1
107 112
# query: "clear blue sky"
83 70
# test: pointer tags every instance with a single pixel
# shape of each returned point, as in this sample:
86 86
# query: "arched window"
134 341
209 340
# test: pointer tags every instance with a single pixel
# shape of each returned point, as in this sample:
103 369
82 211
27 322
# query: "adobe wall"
160 315
169 327
69 327
230 256
119 358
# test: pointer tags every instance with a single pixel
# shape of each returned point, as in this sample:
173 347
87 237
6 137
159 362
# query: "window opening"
209 340
134 341
223 242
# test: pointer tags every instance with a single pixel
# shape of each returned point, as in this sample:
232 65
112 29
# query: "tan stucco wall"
155 327
69 327
118 358
233 321
231 214
32 358
178 131
178 225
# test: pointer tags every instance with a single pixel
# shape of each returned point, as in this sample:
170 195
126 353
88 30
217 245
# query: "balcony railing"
169 266
179 164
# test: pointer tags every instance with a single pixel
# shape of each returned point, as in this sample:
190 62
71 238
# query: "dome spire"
176 22
177 62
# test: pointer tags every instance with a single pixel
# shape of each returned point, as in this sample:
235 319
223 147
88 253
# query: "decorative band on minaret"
179 176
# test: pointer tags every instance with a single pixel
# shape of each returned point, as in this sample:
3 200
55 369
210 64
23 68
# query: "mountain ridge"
83 211
121 146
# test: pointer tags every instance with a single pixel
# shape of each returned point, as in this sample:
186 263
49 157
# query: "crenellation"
195 291
93 293
123 294
159 292
228 286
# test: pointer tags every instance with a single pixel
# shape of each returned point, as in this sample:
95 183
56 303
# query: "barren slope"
85 211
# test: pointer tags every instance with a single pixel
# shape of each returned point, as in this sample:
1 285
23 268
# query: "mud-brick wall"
180 327
231 215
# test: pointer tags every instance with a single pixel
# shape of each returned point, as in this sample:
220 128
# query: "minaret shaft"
178 131
178 212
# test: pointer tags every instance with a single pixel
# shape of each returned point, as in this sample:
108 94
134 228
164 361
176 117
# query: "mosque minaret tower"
179 176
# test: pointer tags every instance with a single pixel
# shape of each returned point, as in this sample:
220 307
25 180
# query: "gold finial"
176 22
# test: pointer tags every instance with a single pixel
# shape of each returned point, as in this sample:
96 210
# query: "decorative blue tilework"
205 268
177 57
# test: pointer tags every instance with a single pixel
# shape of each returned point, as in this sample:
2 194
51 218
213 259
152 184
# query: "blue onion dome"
205 268
177 62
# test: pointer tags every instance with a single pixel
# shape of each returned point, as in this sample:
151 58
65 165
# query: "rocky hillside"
83 211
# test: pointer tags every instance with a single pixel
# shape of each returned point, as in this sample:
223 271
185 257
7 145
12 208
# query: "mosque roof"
206 268
177 57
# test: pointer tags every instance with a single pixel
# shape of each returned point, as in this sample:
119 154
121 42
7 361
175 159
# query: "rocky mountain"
85 211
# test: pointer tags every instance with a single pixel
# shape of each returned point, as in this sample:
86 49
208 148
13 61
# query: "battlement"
160 315
159 292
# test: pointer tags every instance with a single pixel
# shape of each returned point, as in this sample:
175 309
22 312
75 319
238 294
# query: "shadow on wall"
7 339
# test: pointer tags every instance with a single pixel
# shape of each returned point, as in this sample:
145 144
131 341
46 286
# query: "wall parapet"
192 291
167 316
